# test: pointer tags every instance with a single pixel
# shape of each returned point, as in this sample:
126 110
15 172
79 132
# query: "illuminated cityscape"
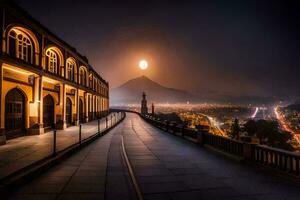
149 100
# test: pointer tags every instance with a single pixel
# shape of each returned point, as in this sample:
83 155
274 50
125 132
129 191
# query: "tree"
265 129
281 140
235 129
250 127
269 133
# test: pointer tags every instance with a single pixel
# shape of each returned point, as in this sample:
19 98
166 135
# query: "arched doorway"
69 111
14 113
48 112
81 112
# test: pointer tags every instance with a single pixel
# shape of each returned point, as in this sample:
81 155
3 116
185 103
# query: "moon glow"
143 64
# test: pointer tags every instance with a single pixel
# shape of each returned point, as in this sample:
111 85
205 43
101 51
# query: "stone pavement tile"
137 155
152 172
137 150
163 187
117 188
82 196
227 173
202 181
59 180
33 197
65 172
257 186
209 194
140 160
157 197
90 172
167 158
187 171
145 162
100 160
100 180
73 187
158 179
65 167
176 165
284 196
101 167
145 167
41 189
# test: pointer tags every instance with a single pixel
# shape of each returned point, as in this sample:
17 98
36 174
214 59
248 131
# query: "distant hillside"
131 92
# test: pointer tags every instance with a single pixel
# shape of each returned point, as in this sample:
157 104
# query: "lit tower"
144 108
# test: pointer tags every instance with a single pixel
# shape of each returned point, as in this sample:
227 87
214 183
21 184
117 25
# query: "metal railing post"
54 142
80 134
106 122
111 120
98 126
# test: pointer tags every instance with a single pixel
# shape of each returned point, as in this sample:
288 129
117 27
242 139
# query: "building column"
41 104
100 106
2 114
93 106
86 104
60 122
38 128
64 121
77 107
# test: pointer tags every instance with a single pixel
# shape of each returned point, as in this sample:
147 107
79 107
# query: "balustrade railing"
226 144
283 160
272 157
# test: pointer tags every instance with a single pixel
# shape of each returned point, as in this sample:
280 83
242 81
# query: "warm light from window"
16 70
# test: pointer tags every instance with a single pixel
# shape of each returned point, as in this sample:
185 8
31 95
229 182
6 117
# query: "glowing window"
70 69
52 61
20 45
82 76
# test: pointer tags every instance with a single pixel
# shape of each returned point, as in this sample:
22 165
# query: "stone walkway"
95 172
166 167
23 151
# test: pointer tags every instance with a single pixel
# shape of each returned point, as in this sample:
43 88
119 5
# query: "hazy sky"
210 47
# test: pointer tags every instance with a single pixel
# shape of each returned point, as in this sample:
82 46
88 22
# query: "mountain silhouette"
131 92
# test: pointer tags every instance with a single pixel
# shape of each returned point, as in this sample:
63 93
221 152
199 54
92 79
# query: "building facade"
44 82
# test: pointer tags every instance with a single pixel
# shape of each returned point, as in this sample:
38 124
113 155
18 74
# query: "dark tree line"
267 131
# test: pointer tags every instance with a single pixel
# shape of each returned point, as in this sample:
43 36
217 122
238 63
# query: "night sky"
214 47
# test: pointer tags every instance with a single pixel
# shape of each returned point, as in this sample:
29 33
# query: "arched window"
82 76
20 45
71 67
54 60
91 81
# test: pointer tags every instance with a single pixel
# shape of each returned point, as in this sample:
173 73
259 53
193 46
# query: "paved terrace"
166 167
23 151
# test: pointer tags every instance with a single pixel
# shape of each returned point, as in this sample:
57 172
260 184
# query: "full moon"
143 64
